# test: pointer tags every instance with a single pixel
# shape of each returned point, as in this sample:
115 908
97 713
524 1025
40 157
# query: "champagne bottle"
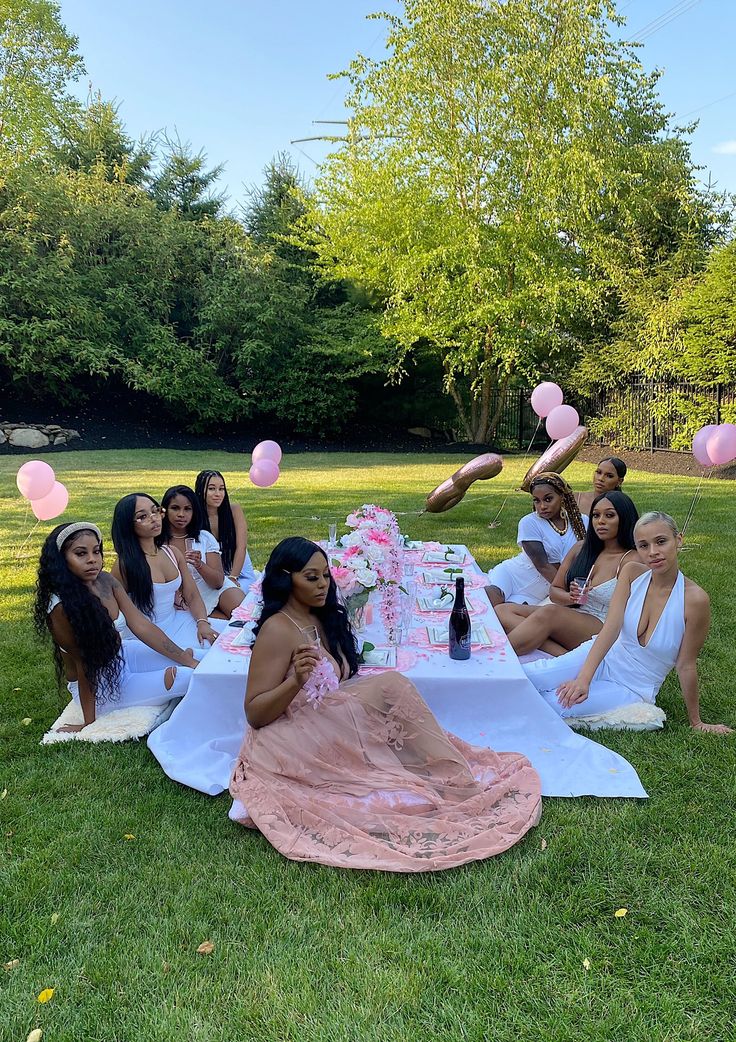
459 624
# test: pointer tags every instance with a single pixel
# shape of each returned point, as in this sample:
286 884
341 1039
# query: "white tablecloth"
486 700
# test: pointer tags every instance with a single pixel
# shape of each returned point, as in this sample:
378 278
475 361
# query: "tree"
184 183
97 137
87 278
38 60
487 192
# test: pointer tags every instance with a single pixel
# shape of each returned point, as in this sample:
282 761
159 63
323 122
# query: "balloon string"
696 498
494 522
26 540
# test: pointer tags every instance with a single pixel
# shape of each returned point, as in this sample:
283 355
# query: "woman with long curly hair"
183 529
356 772
545 536
85 609
156 576
585 582
226 521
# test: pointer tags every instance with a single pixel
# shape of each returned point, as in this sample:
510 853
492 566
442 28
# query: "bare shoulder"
115 570
277 632
107 583
632 570
695 596
178 555
237 510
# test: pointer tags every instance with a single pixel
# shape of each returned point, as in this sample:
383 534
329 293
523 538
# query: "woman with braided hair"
84 609
545 537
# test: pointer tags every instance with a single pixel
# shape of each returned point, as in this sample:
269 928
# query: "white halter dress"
135 688
629 673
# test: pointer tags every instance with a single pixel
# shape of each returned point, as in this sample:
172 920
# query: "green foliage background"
511 202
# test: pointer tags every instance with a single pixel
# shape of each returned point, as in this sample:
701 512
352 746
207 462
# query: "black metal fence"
642 414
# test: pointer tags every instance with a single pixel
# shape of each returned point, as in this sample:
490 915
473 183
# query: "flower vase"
357 618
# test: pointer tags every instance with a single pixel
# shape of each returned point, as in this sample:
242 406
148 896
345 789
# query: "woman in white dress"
226 521
545 537
658 620
182 530
583 587
153 577
85 609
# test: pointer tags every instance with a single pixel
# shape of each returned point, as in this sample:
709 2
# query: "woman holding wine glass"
356 772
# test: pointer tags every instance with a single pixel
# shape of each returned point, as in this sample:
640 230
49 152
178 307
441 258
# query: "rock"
3 438
60 439
28 438
421 432
72 434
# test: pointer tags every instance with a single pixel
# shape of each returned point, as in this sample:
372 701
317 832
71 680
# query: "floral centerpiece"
372 560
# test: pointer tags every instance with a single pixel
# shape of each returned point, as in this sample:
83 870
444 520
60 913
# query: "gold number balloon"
559 455
451 491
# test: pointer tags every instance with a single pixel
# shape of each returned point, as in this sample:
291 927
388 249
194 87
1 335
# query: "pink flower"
321 681
375 535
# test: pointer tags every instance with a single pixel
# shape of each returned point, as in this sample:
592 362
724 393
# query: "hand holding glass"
579 590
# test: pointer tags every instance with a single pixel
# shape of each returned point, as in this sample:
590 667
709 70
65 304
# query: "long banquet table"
486 700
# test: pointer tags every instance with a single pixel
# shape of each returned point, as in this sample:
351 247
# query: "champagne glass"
310 634
332 531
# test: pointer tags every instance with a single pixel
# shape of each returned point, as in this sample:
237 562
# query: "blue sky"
240 79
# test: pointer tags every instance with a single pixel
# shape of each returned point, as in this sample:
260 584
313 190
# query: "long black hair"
628 515
194 527
133 564
291 555
225 521
94 631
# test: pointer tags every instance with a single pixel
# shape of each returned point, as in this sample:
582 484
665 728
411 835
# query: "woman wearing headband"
545 536
658 621
226 521
84 609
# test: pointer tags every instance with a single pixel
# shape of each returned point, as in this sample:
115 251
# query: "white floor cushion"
119 725
640 716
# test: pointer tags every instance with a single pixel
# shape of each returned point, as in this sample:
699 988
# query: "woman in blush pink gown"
357 773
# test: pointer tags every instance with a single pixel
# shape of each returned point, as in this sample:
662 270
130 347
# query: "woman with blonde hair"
658 620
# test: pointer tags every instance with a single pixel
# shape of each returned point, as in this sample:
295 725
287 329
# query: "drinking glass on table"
407 604
409 565
332 541
579 589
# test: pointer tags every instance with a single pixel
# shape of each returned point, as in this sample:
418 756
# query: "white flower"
366 576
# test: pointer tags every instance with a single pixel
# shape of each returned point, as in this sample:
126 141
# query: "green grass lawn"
493 951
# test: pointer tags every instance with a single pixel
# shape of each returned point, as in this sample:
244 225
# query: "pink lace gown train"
367 778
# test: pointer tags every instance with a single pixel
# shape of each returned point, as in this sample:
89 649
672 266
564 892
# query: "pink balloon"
546 397
35 479
267 450
264 473
562 421
722 444
700 445
53 504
